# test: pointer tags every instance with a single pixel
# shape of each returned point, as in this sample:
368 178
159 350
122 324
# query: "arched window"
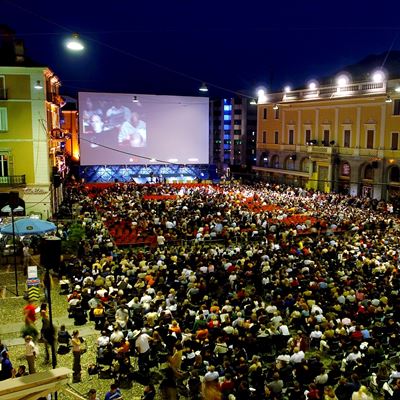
369 172
305 164
274 161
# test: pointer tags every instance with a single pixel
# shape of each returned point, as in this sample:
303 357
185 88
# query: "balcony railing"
354 89
12 180
3 94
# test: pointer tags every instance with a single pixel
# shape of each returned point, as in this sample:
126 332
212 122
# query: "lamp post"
11 211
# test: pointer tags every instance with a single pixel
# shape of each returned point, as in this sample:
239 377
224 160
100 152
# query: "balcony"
3 94
12 180
334 92
320 149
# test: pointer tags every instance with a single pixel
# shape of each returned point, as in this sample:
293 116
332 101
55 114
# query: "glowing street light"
203 87
75 44
312 85
38 85
378 76
261 96
342 80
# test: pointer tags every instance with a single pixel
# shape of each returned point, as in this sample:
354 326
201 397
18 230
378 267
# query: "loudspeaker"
13 199
56 180
50 253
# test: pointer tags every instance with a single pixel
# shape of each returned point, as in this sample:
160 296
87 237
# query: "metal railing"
12 180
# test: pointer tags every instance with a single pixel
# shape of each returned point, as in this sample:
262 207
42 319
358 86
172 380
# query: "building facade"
342 138
30 138
232 133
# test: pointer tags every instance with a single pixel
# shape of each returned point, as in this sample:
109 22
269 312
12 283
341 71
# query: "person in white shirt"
354 355
30 354
142 345
103 340
297 357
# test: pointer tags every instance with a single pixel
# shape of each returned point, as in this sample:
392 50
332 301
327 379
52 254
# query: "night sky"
234 46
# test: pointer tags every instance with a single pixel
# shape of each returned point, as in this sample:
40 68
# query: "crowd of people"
263 292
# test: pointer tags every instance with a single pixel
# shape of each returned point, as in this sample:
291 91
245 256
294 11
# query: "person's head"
96 123
28 338
92 394
75 333
113 388
135 118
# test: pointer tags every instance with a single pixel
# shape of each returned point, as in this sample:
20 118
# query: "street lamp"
9 210
74 43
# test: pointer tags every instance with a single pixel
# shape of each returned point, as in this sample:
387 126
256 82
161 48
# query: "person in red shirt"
30 313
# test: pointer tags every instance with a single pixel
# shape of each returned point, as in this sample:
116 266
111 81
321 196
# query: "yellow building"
343 137
30 138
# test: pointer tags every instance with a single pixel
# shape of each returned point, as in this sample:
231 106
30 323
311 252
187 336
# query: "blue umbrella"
28 226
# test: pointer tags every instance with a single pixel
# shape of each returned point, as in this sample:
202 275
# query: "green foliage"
76 233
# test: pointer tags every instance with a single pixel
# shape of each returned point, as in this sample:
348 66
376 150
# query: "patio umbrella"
28 226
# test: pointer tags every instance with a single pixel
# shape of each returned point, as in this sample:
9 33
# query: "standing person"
27 257
142 344
30 354
46 332
29 312
114 393
76 352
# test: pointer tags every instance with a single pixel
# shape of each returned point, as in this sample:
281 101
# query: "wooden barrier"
40 384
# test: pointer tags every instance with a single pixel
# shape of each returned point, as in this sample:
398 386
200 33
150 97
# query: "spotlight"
253 102
38 85
275 107
287 89
135 99
342 80
312 85
388 99
75 43
203 88
378 76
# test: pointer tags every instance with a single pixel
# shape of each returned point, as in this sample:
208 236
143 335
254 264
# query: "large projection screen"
122 129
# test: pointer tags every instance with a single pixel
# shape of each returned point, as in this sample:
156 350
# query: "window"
237 122
265 113
276 141
308 136
277 113
237 111
3 88
264 137
370 139
227 117
346 141
3 165
326 137
396 107
395 141
291 136
3 119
